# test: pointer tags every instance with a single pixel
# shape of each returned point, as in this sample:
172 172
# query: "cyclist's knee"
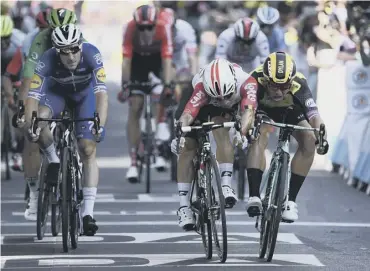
136 104
87 149
188 151
306 143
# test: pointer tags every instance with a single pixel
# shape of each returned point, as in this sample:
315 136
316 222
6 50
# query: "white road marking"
229 223
68 262
160 259
95 213
162 237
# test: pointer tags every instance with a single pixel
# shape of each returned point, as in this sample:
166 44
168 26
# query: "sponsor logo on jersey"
40 66
197 98
34 55
35 82
251 89
310 103
100 75
98 58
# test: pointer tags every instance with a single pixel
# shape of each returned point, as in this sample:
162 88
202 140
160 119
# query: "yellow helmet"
7 26
279 68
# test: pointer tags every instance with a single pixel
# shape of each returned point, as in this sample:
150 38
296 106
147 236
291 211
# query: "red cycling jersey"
245 94
162 41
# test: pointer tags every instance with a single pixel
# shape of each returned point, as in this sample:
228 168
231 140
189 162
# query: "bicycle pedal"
133 180
189 227
287 221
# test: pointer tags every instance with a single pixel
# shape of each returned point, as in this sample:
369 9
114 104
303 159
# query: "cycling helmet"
167 16
219 79
66 36
279 69
61 16
145 15
41 19
7 26
267 15
246 29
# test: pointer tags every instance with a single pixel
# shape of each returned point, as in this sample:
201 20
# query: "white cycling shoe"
160 164
290 213
254 206
229 195
132 174
163 132
186 218
31 211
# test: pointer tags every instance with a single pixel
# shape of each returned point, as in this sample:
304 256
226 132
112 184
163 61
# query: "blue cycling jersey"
50 73
276 40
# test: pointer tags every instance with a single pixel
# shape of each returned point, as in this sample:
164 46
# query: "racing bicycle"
70 173
275 185
209 203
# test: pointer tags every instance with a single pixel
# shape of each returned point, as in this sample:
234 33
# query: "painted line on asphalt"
229 223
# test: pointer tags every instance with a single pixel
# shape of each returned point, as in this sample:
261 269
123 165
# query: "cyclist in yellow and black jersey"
281 86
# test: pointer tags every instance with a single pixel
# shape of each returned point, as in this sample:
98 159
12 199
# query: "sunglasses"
247 42
282 87
143 27
73 51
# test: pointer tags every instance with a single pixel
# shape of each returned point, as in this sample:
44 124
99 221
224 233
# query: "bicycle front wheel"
5 150
216 205
242 160
65 195
43 202
277 199
74 203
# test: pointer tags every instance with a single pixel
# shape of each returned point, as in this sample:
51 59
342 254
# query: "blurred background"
329 41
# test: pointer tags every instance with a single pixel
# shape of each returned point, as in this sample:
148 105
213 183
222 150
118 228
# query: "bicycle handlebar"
208 126
323 145
64 119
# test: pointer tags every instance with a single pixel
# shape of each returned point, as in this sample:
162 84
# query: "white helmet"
219 78
268 15
246 29
66 36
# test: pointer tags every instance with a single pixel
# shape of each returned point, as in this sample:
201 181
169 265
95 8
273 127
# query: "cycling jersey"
184 43
28 41
245 94
299 94
162 41
16 41
40 44
14 68
247 56
55 86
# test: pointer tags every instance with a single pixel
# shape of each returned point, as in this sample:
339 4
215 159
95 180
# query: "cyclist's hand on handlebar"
177 145
124 93
18 122
321 143
324 148
99 135
34 135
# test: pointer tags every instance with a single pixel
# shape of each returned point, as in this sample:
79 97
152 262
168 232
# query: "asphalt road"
140 230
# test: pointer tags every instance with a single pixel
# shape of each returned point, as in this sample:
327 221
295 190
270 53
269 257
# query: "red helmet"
41 20
167 16
145 15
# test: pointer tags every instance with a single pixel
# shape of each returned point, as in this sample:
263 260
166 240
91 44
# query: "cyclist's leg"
256 163
301 162
139 72
224 155
87 151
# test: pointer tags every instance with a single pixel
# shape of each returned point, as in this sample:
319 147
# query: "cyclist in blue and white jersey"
71 73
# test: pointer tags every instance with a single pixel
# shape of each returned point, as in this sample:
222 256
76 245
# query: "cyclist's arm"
263 46
37 48
192 49
127 50
12 71
39 84
93 56
166 53
191 103
248 103
223 42
305 97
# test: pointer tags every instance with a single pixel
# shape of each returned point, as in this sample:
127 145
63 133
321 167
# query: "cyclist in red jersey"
147 47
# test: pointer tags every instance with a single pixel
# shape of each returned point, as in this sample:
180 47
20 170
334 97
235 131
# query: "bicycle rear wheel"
216 205
277 199
56 213
65 195
147 155
173 156
43 202
241 173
